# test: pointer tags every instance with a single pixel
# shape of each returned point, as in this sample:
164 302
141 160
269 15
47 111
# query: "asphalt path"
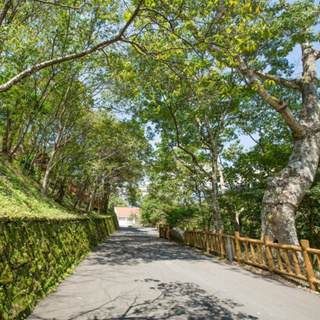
135 275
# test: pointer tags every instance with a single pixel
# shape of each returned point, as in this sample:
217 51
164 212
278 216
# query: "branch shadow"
174 300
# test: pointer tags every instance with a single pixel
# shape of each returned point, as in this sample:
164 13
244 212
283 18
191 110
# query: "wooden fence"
298 262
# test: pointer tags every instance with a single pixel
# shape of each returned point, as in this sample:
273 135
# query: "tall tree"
190 109
255 38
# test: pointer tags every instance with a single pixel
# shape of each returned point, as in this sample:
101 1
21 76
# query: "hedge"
36 254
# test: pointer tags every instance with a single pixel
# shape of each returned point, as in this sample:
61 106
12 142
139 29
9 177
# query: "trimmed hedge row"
36 254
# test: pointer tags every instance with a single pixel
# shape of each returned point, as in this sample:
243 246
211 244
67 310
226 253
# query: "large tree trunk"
285 191
216 212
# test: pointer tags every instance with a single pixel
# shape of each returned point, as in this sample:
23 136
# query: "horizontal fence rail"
298 262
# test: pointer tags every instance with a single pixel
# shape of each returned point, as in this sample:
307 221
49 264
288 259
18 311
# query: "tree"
113 157
190 105
255 38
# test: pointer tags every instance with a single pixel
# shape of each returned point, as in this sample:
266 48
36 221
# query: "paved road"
134 275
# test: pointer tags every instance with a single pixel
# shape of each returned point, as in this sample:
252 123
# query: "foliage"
179 217
195 74
20 196
116 201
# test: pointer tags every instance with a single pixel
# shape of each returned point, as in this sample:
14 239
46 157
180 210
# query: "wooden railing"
164 232
298 262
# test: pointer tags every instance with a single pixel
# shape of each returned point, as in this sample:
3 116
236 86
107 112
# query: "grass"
20 196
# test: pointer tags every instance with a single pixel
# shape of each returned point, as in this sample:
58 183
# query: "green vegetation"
80 100
41 241
20 197
205 72
36 254
86 84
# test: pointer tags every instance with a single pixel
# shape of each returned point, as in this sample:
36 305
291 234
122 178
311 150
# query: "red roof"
126 211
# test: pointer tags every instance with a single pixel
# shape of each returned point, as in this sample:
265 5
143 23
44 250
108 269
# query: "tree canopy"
84 85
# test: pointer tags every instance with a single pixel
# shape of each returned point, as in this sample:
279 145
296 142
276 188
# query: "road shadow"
131 246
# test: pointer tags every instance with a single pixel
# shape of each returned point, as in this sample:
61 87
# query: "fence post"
268 254
207 241
307 263
222 251
168 233
238 246
194 237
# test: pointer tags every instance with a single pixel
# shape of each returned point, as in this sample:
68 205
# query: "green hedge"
36 254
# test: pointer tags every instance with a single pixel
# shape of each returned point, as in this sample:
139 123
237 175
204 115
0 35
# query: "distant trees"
63 140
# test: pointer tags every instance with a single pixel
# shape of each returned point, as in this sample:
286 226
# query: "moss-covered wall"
36 254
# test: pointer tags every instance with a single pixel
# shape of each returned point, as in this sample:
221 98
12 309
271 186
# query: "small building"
127 216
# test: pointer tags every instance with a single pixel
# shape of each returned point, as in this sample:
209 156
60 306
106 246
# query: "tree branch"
290 84
281 106
37 67
58 4
5 10
181 147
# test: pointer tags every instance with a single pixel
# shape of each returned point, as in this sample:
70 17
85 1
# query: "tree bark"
215 207
285 191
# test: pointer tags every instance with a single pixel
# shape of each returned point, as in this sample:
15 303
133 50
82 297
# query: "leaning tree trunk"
285 191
